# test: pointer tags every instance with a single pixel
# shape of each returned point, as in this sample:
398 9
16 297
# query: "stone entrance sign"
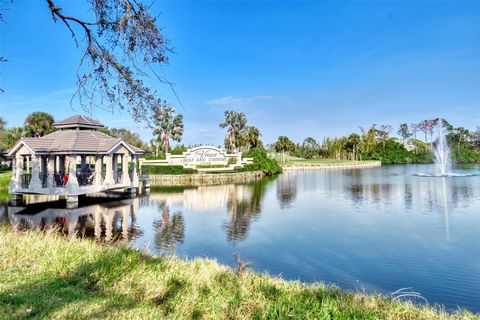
203 158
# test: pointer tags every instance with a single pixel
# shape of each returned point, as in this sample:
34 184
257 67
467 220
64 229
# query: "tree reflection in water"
244 205
169 230
241 201
287 189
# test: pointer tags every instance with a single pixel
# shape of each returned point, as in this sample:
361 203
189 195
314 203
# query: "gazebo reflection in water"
107 221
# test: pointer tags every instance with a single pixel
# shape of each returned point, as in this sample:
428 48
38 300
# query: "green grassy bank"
4 182
46 276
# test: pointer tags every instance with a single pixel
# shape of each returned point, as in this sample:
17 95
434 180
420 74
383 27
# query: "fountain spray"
441 151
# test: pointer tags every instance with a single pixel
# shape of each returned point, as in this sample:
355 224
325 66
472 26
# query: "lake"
379 229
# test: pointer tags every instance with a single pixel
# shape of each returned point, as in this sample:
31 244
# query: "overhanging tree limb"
121 41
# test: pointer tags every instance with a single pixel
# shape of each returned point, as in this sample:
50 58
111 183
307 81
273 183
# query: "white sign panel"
202 156
214 158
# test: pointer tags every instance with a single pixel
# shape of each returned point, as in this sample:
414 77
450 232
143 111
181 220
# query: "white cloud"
231 101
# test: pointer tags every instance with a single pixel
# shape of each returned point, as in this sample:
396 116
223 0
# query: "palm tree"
353 141
39 124
236 123
251 137
404 132
168 126
283 145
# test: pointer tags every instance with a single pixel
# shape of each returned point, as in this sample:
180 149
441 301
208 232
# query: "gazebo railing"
25 180
60 180
86 179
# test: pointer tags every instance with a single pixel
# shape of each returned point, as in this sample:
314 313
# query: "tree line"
372 143
377 143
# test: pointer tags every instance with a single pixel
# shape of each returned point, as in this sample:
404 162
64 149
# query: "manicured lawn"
47 276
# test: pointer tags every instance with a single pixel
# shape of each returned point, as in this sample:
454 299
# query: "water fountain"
441 151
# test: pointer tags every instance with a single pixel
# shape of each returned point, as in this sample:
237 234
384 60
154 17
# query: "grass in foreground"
46 276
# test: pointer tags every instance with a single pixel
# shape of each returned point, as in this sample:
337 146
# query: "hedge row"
167 170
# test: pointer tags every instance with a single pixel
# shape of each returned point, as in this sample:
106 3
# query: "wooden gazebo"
75 160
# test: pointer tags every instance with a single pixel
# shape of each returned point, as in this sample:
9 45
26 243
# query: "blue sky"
295 68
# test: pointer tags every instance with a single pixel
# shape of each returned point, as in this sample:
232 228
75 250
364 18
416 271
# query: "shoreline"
202 179
46 275
320 166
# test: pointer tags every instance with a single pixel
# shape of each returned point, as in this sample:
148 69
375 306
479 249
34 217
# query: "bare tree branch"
122 34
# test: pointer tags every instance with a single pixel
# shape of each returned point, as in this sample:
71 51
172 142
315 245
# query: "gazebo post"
13 180
50 171
108 174
35 182
98 170
72 171
134 171
115 167
125 175
72 180
18 169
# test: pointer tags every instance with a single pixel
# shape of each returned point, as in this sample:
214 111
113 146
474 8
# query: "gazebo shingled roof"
78 121
87 140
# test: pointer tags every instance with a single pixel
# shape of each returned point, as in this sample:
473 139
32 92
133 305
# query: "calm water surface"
379 229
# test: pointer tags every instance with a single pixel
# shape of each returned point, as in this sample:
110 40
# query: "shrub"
167 170
395 153
161 156
208 166
261 162
464 155
180 149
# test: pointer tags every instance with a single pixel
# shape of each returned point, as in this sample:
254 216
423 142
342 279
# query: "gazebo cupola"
74 160
78 122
